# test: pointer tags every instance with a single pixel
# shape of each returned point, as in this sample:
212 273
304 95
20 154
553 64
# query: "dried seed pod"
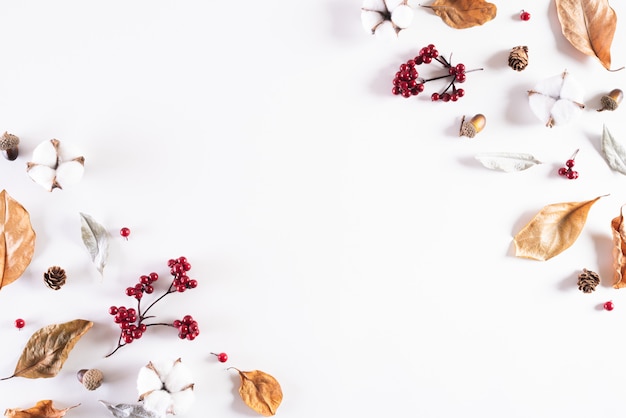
518 58
9 146
588 281
90 378
612 100
473 126
55 277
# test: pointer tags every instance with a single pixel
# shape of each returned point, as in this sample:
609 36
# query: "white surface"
346 241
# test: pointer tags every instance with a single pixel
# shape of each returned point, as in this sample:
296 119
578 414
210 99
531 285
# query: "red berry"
445 97
608 306
570 163
460 68
20 323
434 97
113 310
125 232
460 77
460 92
221 357
524 15
571 174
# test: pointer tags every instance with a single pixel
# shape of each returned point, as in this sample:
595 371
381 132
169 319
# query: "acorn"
612 100
9 146
473 126
90 378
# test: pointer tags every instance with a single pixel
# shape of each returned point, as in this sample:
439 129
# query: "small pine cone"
588 280
518 58
54 278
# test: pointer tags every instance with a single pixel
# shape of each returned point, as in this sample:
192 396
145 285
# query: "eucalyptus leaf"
123 410
613 151
507 161
96 239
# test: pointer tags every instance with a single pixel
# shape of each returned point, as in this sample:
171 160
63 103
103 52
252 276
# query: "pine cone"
588 280
518 58
54 278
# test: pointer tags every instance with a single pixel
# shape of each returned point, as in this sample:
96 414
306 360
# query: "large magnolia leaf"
260 391
48 348
96 239
613 151
619 251
553 230
589 25
17 239
123 410
462 14
42 409
507 161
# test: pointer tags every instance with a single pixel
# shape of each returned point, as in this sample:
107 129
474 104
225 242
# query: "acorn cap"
8 141
91 379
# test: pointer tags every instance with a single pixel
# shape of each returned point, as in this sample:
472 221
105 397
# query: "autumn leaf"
619 251
260 391
553 230
614 152
507 161
96 239
17 239
48 348
589 25
462 14
42 409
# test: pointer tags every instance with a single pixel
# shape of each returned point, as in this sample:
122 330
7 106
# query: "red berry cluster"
568 170
187 328
407 81
132 321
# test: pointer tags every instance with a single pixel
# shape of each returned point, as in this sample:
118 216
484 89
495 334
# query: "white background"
345 240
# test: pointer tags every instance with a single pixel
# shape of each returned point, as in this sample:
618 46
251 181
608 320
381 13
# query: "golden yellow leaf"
462 14
260 391
17 239
589 25
553 230
42 409
48 348
619 251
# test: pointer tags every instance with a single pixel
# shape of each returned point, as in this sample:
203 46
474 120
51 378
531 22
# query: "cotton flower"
166 387
55 165
386 18
557 100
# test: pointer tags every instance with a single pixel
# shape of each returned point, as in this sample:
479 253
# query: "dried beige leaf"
48 348
619 250
42 409
507 161
260 391
614 152
462 14
553 230
17 239
589 25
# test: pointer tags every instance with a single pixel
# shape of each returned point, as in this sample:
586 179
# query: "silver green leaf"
614 152
96 239
507 161
123 410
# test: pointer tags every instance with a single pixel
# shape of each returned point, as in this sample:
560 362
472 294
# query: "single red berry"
571 174
434 97
113 310
608 306
20 323
221 357
125 232
445 97
460 68
562 171
524 15
460 77
570 163
460 92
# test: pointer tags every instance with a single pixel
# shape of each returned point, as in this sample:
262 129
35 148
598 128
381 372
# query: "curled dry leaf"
96 239
613 151
48 348
553 230
17 239
42 409
619 250
260 391
123 410
507 161
589 25
462 14
557 100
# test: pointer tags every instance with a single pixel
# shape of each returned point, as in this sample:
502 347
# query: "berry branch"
132 321
407 81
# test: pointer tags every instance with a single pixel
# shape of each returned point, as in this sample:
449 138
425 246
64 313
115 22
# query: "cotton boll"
550 86
158 402
541 106
571 89
386 31
43 176
148 380
67 152
178 378
556 100
402 16
163 368
182 401
370 19
70 172
564 111
46 154
374 5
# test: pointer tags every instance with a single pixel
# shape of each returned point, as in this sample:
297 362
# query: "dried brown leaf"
619 251
589 25
260 391
462 14
42 409
553 230
17 239
48 348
